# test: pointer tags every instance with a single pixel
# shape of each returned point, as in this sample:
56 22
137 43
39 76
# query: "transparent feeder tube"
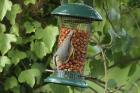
79 41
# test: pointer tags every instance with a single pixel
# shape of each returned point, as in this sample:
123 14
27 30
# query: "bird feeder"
77 17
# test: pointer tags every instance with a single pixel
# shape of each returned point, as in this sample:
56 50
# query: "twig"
127 61
120 88
93 79
136 22
96 82
92 57
105 68
92 89
22 63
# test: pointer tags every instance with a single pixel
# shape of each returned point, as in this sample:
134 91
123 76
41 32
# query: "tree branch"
128 61
92 89
105 68
94 79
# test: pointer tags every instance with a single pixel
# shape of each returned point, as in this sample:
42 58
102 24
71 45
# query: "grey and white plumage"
64 51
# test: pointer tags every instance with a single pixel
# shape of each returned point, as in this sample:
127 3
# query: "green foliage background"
28 34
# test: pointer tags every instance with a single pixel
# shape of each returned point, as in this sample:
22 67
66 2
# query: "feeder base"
57 80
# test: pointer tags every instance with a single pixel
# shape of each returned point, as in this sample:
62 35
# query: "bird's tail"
54 60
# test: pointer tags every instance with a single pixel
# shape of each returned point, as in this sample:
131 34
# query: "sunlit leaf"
93 50
48 35
5 5
15 29
39 34
29 27
28 76
6 40
4 60
11 15
39 48
2 28
121 74
26 2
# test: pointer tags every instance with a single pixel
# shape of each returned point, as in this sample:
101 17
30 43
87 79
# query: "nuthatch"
64 51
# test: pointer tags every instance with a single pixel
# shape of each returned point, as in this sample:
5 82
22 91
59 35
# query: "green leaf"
93 50
138 88
39 66
11 15
96 68
5 5
6 40
39 33
10 83
126 91
111 83
59 88
87 68
132 69
53 88
29 27
36 24
4 60
15 29
2 28
16 56
119 75
16 89
27 39
49 37
32 26
134 3
39 48
29 76
26 2
121 41
95 86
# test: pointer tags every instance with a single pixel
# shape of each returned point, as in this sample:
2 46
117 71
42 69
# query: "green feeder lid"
77 10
